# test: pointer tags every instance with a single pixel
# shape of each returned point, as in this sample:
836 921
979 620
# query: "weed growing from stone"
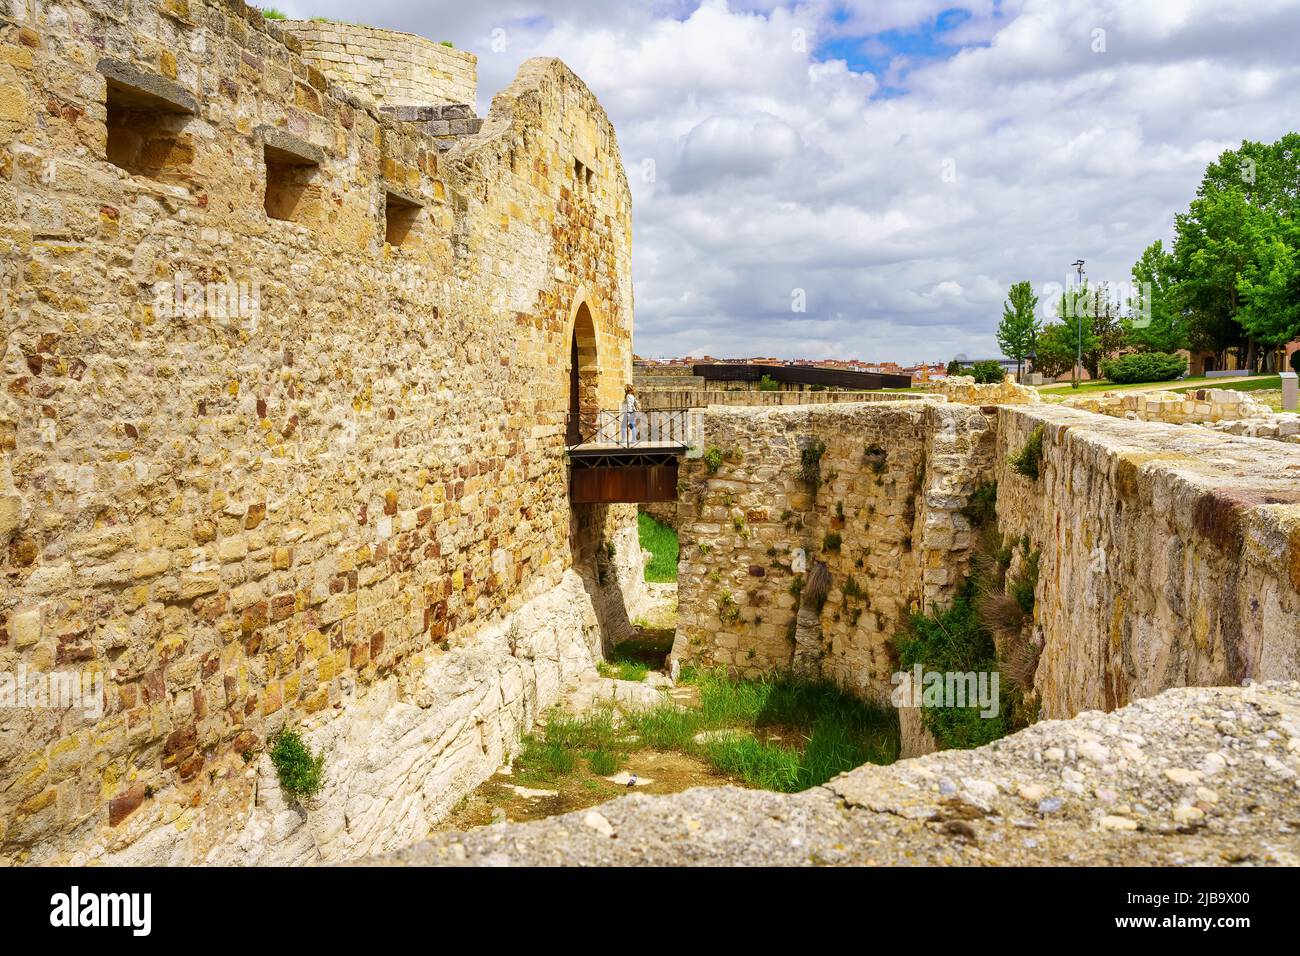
301 774
810 463
728 609
981 509
1028 460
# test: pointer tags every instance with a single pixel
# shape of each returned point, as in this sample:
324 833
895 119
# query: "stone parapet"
1170 555
386 67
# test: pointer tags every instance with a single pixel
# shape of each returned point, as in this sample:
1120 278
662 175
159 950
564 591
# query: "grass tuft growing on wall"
301 773
955 640
810 463
1029 459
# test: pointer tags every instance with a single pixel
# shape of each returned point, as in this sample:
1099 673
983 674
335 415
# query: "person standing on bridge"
629 411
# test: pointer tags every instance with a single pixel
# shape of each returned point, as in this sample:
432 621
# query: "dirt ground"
656 773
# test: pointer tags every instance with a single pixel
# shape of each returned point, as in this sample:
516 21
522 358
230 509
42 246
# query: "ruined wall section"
247 517
387 67
1170 555
885 519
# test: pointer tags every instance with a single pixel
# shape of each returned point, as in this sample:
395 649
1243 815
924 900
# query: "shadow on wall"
607 557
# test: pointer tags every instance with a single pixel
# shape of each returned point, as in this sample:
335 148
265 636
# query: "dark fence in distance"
802 375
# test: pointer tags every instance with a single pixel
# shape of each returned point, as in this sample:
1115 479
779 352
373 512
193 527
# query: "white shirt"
629 404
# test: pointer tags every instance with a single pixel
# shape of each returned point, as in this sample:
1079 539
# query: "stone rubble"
1101 789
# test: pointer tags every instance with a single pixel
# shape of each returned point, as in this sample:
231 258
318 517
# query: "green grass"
623 669
636 657
1266 383
1199 381
661 541
955 639
834 731
271 13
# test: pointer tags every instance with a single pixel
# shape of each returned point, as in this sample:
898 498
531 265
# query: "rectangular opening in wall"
145 118
292 176
401 214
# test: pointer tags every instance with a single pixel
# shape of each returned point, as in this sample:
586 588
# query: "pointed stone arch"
583 367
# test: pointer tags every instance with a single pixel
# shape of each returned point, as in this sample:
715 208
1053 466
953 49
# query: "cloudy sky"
899 163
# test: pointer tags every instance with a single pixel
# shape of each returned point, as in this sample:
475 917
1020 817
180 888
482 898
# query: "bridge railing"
642 428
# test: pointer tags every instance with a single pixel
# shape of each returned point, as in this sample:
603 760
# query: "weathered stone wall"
301 511
894 477
1278 427
1199 406
664 512
962 388
1170 555
385 66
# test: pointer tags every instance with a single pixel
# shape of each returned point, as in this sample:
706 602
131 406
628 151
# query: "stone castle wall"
885 519
284 511
1169 556
387 67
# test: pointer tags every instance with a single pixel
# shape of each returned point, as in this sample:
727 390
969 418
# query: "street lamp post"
1078 321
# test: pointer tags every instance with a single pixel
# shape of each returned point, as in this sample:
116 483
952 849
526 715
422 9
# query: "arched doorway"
584 378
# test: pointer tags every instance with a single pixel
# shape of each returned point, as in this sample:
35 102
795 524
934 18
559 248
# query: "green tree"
1081 310
1019 326
1155 322
1054 351
1235 247
1270 286
956 368
1107 329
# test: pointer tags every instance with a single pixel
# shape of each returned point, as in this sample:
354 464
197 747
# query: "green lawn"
661 541
1253 385
1200 381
